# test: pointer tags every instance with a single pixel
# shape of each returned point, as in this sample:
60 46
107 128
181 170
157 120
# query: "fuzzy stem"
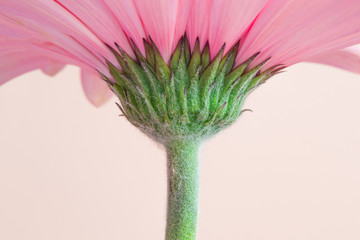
183 189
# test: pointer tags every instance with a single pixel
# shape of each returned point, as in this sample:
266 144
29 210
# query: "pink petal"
128 18
229 20
47 34
18 57
159 19
49 21
14 65
198 23
53 69
348 59
96 90
182 18
98 18
220 22
291 31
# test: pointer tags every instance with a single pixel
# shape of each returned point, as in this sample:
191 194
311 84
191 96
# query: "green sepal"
162 70
229 58
182 82
176 55
195 60
237 72
225 65
157 91
150 55
171 103
241 87
205 57
208 76
187 50
135 71
138 54
119 58
191 97
207 81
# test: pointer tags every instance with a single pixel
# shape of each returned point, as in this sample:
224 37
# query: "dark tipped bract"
191 97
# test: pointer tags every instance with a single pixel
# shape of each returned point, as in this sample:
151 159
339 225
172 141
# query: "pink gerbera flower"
181 69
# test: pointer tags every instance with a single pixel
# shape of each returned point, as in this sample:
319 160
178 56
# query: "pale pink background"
288 171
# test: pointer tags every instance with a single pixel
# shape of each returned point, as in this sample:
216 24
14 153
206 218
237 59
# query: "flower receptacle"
193 97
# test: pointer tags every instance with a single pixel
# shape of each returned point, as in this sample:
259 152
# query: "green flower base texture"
181 104
193 97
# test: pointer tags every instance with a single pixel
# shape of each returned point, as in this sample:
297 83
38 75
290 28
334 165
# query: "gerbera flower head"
193 60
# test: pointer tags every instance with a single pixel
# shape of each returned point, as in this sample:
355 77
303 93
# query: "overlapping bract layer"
192 98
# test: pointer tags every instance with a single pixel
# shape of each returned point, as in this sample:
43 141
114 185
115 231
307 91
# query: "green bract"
193 97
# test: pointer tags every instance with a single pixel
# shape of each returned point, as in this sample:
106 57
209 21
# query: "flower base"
192 97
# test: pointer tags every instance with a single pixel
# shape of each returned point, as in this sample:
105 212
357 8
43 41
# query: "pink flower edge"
347 59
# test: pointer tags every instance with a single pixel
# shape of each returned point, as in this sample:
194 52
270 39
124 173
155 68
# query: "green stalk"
183 189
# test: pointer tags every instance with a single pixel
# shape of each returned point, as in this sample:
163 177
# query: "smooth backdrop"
288 171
